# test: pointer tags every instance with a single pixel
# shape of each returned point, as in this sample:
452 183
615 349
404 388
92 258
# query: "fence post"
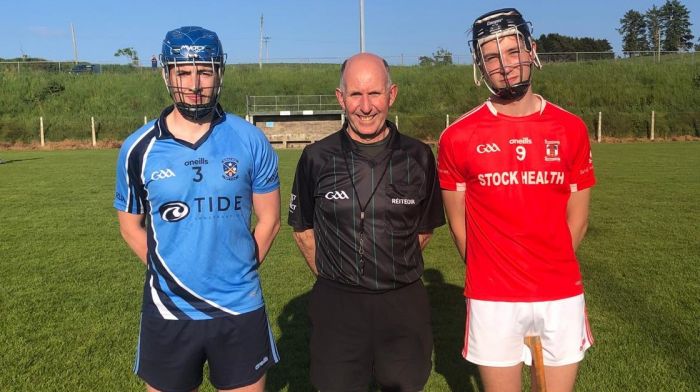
145 120
41 130
342 119
600 121
447 120
653 118
396 120
94 138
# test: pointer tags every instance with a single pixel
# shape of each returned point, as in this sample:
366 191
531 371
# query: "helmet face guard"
494 26
199 48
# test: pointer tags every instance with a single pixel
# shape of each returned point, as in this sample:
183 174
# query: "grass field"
70 290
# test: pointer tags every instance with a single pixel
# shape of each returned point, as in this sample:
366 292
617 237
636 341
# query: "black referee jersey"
366 212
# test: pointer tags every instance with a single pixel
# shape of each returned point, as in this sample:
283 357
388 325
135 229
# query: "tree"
654 27
675 22
633 29
697 46
440 57
424 61
561 43
130 53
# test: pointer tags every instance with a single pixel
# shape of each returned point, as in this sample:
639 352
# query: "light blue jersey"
197 199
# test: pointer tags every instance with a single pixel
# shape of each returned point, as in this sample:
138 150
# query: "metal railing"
273 104
549 57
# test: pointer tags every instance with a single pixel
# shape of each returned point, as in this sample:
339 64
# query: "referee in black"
364 203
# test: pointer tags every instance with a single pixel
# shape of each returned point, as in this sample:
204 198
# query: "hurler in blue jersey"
187 185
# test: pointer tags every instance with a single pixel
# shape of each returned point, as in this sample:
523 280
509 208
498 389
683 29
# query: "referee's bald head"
363 59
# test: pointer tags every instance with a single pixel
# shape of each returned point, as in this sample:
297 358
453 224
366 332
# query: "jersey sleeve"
433 214
265 176
451 178
582 175
301 200
129 188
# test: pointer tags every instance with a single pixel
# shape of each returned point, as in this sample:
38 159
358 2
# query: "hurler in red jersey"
516 174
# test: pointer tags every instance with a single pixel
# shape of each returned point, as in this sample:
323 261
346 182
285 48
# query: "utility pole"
362 26
261 43
75 45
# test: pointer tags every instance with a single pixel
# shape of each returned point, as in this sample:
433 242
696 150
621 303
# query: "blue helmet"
193 45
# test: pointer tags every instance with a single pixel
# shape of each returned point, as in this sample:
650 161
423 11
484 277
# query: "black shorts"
171 353
357 335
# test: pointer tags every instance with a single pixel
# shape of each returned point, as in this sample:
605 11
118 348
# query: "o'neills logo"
198 161
403 201
524 140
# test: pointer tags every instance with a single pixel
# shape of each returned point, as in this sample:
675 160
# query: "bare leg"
258 386
501 379
559 378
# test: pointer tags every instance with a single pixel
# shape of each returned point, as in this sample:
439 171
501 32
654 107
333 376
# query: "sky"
299 30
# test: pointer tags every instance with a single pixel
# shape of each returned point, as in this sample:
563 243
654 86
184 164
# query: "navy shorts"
357 336
171 353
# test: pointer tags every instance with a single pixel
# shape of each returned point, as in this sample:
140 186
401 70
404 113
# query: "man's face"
508 66
193 84
366 98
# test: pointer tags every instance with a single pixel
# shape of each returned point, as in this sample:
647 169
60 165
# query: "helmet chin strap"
513 92
194 112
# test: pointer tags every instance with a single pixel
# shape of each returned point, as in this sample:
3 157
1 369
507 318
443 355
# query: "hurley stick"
535 345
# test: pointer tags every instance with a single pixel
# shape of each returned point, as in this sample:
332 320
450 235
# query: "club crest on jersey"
230 167
551 150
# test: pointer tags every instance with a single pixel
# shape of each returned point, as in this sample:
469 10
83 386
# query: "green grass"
70 289
625 91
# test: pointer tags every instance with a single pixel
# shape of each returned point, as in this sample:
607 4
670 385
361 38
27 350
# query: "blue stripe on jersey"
153 299
129 192
203 310
178 302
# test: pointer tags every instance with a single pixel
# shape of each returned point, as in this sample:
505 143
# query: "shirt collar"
162 126
348 145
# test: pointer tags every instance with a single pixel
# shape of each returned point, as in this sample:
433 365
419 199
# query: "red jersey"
518 174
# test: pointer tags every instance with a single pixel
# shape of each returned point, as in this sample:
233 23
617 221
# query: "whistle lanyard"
361 250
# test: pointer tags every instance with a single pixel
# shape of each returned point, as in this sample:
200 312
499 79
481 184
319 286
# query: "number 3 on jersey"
520 153
197 173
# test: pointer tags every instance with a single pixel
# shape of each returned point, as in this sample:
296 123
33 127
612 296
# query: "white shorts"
495 331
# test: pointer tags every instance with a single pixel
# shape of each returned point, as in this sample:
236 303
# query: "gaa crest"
230 167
